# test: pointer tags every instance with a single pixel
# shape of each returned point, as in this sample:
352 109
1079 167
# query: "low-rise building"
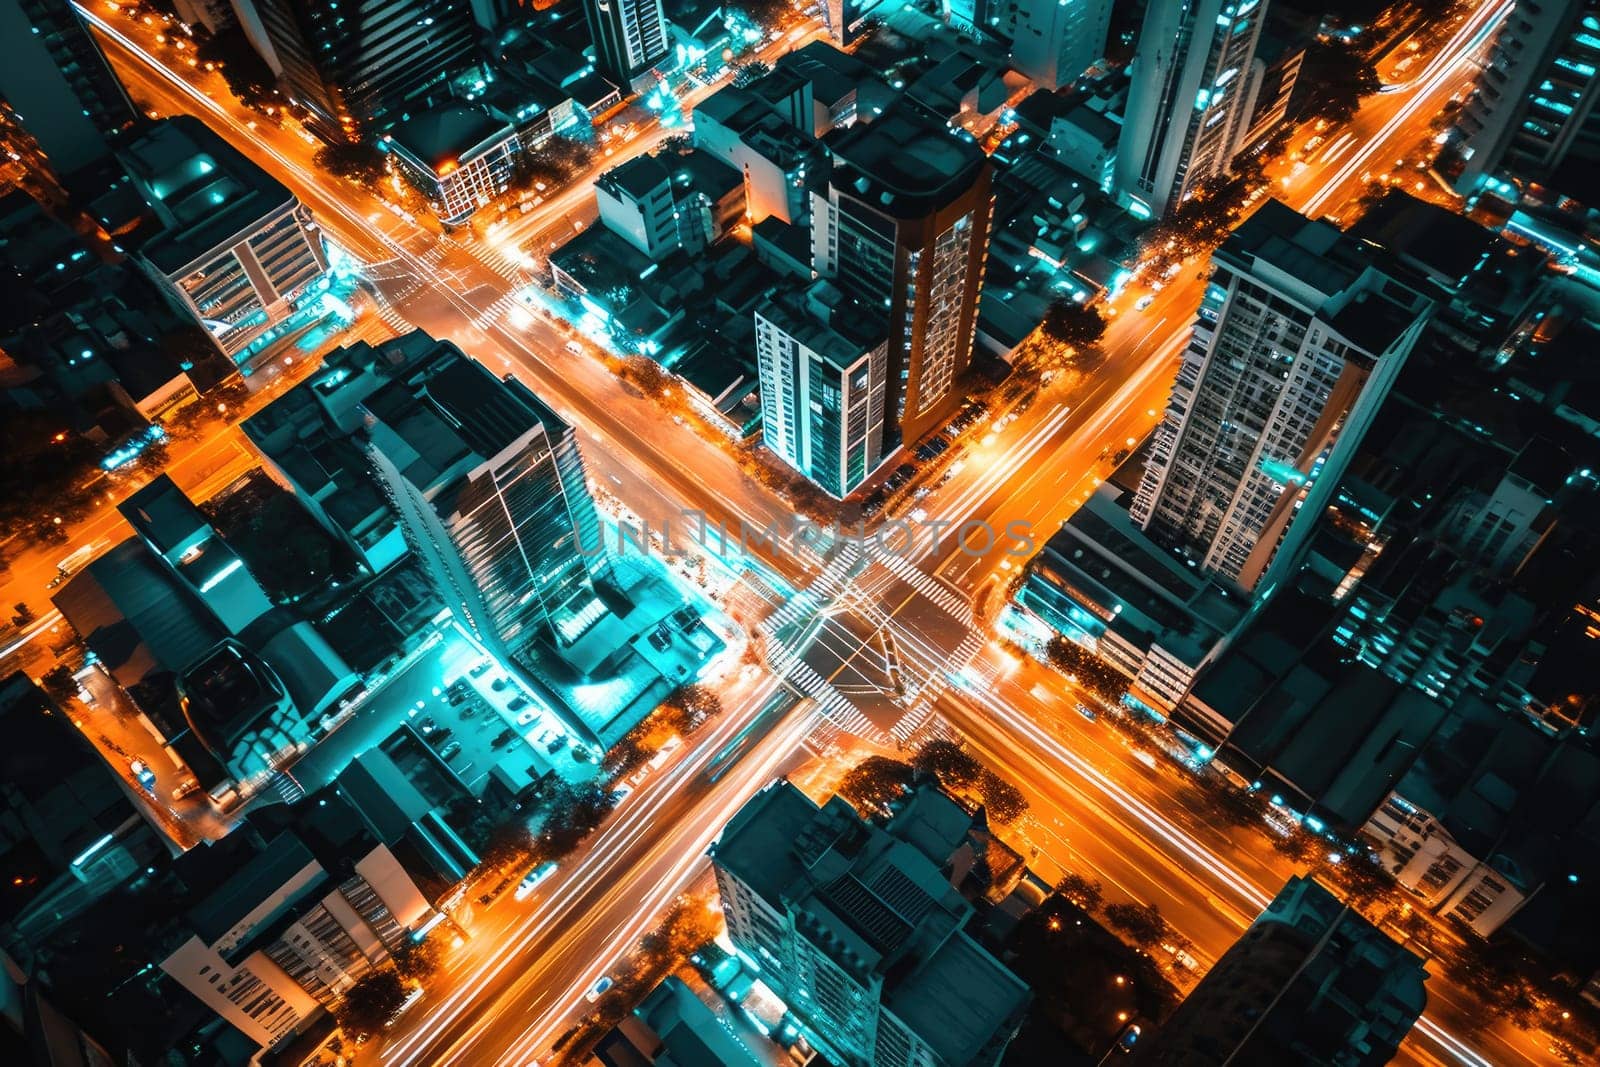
780 161
459 156
227 242
860 932
663 203
1311 981
1102 583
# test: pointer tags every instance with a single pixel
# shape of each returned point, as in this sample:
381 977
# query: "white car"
527 717
1144 302
526 887
598 990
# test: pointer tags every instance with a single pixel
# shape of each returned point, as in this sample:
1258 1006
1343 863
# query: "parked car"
517 703
527 718
450 751
500 684
439 736
503 738
528 884
186 788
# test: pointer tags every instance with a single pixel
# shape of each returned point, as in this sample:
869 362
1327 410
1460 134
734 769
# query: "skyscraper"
1534 104
822 388
352 65
630 37
1298 339
1311 981
1188 107
56 86
903 227
1055 41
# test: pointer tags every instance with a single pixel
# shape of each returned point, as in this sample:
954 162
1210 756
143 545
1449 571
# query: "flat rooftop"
905 161
204 192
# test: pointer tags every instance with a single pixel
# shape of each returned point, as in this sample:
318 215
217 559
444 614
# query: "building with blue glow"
1534 105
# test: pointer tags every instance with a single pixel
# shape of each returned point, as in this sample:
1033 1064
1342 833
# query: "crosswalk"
393 319
822 590
495 312
798 675
924 583
921 712
493 258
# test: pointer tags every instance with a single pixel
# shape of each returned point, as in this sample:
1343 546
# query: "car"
527 717
143 774
439 736
575 348
517 703
556 744
427 724
1145 758
500 684
1086 711
598 990
503 738
481 668
469 711
1145 301
532 880
621 793
186 788
457 697
1128 1038
660 641
450 751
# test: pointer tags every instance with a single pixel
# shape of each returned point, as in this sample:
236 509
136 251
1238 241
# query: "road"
1034 471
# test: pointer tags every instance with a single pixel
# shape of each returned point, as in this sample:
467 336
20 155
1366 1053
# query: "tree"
418 959
876 782
1085 893
1141 922
1003 801
1087 669
509 843
241 66
1338 77
574 814
371 1002
1073 323
359 163
60 684
949 763
555 162
698 704
745 73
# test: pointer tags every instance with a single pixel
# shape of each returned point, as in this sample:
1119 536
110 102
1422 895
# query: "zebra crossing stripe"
925 584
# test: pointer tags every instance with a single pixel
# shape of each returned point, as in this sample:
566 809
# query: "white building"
822 389
1188 107
284 937
1055 41
1298 339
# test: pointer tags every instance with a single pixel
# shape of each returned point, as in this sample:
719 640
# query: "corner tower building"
903 227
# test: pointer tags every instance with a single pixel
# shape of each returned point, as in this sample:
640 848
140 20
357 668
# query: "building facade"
229 244
1054 42
903 227
352 66
822 392
1534 104
630 37
1188 106
1297 342
57 87
460 157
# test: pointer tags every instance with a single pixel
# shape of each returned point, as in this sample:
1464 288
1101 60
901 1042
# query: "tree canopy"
949 763
1073 323
876 782
1143 923
371 1002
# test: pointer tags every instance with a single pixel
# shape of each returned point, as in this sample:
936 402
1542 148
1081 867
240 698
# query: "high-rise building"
903 227
822 387
1311 981
1055 41
1534 104
1298 339
354 65
487 488
1188 106
57 88
228 243
630 37
857 930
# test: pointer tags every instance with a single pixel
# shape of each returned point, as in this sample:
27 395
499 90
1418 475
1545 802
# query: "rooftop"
203 191
906 162
449 135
